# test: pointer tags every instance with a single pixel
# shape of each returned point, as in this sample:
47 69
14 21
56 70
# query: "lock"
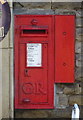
26 100
26 72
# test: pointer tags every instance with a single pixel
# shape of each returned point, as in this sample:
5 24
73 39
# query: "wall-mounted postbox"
44 54
34 62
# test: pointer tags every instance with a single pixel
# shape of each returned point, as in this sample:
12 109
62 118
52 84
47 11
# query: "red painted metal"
34 86
64 48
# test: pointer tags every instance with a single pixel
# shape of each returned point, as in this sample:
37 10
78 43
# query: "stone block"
79 63
57 113
59 88
34 11
64 12
79 38
79 56
81 87
67 1
62 101
78 99
31 114
78 73
78 47
79 13
5 42
78 88
79 79
79 22
61 113
5 83
79 33
69 90
65 5
33 1
33 5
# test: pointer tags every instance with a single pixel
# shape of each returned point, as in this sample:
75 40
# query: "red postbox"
44 55
34 61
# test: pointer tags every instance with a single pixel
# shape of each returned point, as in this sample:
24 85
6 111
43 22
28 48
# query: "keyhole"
26 72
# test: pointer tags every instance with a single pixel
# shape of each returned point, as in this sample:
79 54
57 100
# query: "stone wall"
65 94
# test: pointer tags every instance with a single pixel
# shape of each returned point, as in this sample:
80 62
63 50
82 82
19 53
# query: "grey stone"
33 11
66 5
79 38
79 63
79 13
59 88
78 47
78 99
79 31
79 79
78 73
62 101
60 113
33 5
79 56
57 113
78 88
64 12
79 22
31 114
69 90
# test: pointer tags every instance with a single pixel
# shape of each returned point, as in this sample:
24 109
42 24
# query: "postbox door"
34 62
33 76
64 48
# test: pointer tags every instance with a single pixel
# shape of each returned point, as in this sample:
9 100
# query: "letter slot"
34 31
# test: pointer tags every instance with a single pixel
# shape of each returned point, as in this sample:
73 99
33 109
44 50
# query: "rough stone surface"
69 90
64 12
79 56
34 11
78 47
78 88
79 63
57 113
78 73
34 5
79 31
79 38
79 22
76 99
59 88
66 5
62 101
